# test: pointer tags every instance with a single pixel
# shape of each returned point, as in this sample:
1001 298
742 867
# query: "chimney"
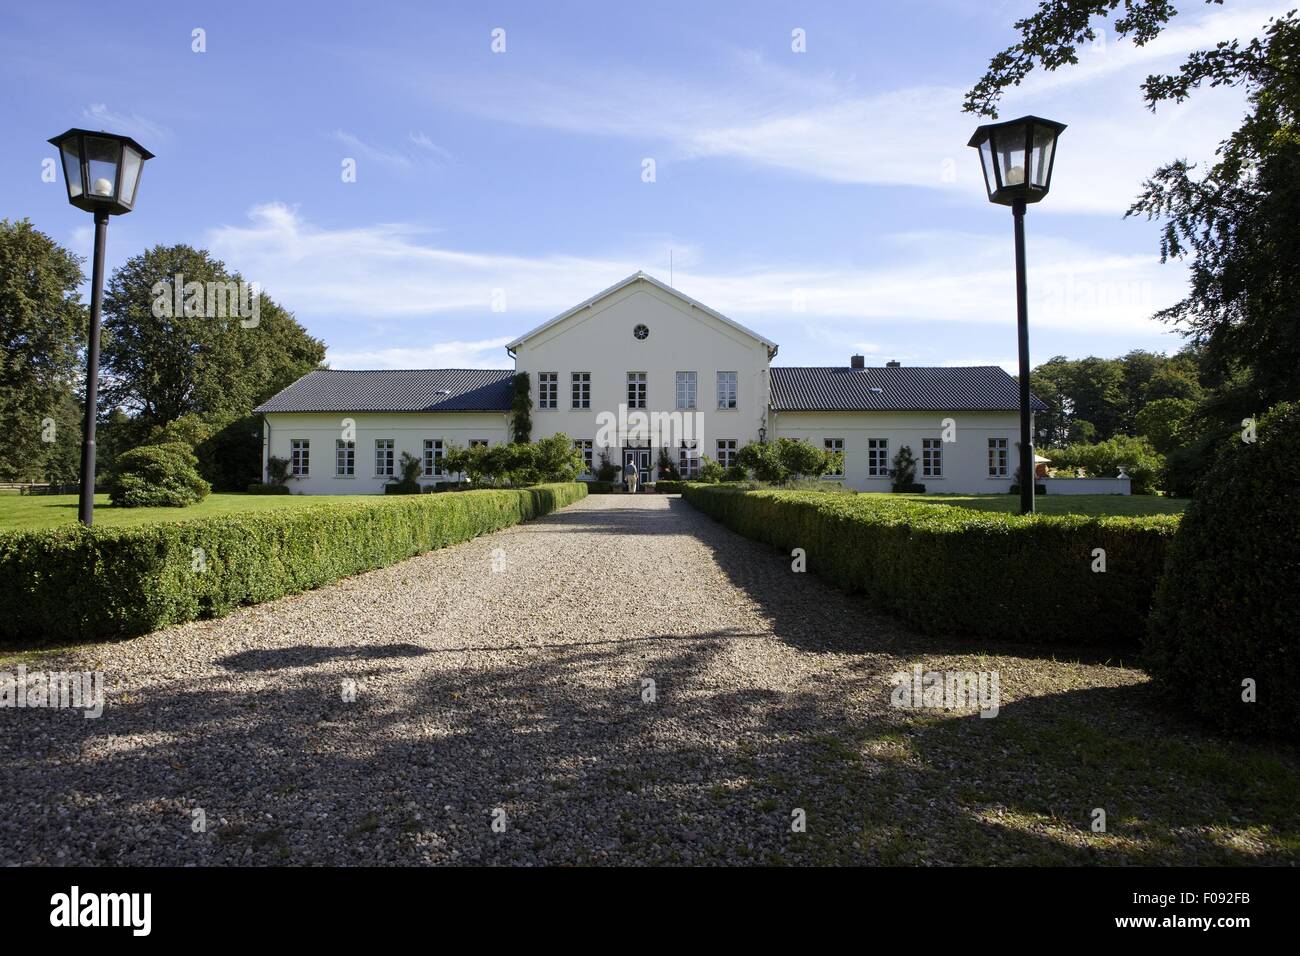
857 361
893 363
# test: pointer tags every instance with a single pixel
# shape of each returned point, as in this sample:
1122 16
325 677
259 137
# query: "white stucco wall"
965 459
407 430
599 340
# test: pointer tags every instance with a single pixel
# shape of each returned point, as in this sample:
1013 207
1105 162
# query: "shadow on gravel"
305 655
586 770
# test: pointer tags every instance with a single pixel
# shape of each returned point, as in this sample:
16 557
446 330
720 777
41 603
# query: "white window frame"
638 392
835 445
432 459
999 458
588 448
931 457
345 458
688 459
877 457
300 457
728 391
382 460
727 450
580 390
548 390
688 387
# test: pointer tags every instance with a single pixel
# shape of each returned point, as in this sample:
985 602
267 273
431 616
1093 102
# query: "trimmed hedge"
1226 609
599 487
81 584
257 488
669 487
963 572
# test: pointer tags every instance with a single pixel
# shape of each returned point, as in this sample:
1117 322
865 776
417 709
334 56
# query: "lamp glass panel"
103 160
1009 146
131 163
986 160
1044 145
71 166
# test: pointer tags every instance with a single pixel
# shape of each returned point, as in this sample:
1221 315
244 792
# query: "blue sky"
826 199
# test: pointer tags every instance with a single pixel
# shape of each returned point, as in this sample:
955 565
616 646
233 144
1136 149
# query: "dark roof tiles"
899 388
409 390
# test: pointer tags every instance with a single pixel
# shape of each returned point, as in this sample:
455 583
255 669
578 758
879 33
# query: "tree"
1164 422
763 461
162 363
42 328
1237 220
903 472
556 459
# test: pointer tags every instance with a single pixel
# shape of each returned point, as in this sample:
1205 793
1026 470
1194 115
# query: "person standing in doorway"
630 475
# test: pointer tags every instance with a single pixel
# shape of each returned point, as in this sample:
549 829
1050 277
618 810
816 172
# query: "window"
726 452
345 459
587 447
636 390
688 460
931 458
997 457
299 457
548 390
383 457
877 458
432 457
478 443
582 390
836 446
686 388
726 389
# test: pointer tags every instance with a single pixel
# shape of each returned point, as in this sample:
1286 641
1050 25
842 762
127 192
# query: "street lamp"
1017 158
102 171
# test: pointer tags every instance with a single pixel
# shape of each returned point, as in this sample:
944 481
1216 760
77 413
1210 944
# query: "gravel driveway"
502 715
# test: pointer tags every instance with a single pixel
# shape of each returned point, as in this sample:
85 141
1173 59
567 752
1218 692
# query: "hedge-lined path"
521 690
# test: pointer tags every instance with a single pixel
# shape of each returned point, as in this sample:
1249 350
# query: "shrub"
903 472
133 580
669 487
1226 608
762 460
711 472
599 487
157 476
277 470
1103 460
556 459
257 488
959 571
409 484
667 470
607 471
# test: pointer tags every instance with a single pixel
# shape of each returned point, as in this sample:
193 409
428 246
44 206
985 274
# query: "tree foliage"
42 329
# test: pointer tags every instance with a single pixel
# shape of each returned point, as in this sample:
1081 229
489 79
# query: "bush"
606 471
599 487
711 472
903 473
1226 608
157 476
962 572
257 488
409 484
134 580
669 487
1103 460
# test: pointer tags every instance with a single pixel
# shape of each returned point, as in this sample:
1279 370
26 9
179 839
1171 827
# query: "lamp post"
1017 158
102 171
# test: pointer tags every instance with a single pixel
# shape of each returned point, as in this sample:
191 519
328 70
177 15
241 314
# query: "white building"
638 368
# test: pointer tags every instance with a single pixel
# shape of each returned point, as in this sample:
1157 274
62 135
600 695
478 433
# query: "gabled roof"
651 280
409 390
889 389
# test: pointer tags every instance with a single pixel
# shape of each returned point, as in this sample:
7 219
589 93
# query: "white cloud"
137 127
768 115
390 273
483 353
427 152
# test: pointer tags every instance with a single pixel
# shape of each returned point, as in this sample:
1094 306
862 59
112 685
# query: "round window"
641 331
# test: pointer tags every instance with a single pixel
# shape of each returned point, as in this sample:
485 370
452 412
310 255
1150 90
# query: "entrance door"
641 456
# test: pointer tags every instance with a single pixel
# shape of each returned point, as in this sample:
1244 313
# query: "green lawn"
1064 504
48 511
